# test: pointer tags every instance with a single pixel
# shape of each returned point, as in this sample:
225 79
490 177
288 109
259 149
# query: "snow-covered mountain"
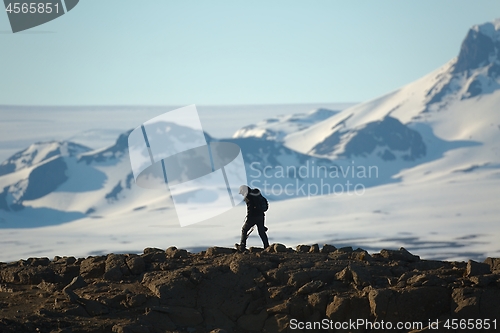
277 128
451 113
56 182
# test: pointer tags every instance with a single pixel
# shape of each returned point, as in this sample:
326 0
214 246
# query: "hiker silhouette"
256 207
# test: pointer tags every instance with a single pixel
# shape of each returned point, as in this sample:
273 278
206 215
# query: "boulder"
494 264
477 268
93 267
402 254
328 248
213 251
303 248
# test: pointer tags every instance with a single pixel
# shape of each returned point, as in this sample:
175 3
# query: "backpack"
263 203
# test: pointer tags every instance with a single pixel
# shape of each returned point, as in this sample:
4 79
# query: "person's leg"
262 231
244 231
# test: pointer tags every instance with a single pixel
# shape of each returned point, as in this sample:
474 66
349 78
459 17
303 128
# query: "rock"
465 302
338 309
280 308
299 308
113 274
346 249
115 267
253 322
298 279
276 248
402 255
150 250
27 275
494 264
137 300
173 291
181 316
343 308
253 249
361 256
360 275
75 310
328 248
158 321
173 252
344 275
489 305
415 304
278 323
417 280
38 261
94 308
216 318
314 248
71 296
132 328
318 301
303 248
213 251
45 286
78 282
379 300
338 255
93 267
135 264
310 287
484 280
476 268
173 288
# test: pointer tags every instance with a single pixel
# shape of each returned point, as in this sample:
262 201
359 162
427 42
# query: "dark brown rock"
213 251
494 264
328 248
135 264
465 302
181 316
276 248
78 282
93 267
402 254
310 287
253 322
176 291
314 248
303 248
298 279
175 253
477 268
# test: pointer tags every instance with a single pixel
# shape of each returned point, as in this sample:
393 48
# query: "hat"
244 190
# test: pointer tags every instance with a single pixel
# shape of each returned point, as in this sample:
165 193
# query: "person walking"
257 205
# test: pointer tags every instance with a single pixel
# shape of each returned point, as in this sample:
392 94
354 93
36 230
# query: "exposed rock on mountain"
219 290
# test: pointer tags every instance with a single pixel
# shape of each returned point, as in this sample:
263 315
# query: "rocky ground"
277 290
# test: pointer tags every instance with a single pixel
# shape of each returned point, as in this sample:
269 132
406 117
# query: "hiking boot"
240 248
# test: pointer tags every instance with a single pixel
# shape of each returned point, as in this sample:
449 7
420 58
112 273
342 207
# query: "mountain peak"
490 29
481 47
277 128
39 152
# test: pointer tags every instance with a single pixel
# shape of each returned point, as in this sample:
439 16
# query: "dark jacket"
252 200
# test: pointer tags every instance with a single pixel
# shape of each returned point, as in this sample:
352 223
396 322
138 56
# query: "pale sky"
158 52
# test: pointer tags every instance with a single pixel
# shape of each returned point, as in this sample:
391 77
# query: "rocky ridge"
221 290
